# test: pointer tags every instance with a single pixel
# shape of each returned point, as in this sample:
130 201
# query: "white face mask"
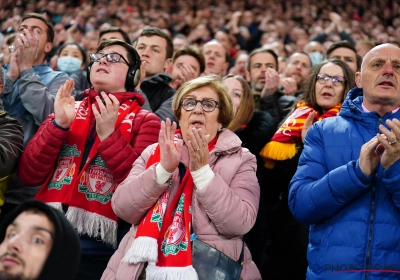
316 58
69 64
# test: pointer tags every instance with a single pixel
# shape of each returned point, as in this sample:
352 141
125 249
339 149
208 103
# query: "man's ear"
167 64
48 47
248 76
358 79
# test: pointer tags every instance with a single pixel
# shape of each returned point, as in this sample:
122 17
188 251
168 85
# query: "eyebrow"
33 26
151 46
36 228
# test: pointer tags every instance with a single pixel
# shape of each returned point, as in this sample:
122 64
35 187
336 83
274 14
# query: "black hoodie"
63 260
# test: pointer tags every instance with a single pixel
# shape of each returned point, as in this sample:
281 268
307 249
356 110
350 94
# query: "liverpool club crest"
176 236
65 167
97 183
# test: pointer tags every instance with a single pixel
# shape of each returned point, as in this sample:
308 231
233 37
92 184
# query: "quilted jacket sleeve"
41 153
317 193
119 155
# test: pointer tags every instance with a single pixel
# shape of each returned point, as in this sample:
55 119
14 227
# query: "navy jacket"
355 219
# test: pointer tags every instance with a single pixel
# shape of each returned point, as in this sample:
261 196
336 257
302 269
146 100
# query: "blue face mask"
316 58
69 64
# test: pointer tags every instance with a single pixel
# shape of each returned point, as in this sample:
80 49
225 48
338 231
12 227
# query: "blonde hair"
246 108
225 104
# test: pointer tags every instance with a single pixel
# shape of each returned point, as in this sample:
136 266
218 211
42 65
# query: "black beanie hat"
63 260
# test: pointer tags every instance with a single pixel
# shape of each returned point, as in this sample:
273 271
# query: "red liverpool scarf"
163 236
87 192
283 143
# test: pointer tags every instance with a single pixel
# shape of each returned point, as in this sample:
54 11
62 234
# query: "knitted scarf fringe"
93 224
143 249
56 205
170 273
274 151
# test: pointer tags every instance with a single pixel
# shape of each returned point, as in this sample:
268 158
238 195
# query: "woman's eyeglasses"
336 80
111 57
208 105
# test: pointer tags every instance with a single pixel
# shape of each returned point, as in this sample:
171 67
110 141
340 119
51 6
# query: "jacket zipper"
371 221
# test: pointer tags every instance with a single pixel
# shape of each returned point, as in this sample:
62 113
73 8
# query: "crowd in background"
245 25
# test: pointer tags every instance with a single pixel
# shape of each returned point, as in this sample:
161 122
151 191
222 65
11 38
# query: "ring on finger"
393 142
198 149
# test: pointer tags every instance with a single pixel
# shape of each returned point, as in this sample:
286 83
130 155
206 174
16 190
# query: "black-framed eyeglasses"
111 57
336 80
208 105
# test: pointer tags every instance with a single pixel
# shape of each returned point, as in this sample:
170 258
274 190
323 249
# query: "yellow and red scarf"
163 236
88 191
283 143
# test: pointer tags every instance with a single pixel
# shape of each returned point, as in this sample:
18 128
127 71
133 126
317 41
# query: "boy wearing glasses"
85 149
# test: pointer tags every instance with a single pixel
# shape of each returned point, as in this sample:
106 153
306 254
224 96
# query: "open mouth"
197 123
386 84
101 70
326 94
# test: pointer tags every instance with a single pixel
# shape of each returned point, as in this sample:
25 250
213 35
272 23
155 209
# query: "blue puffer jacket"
355 219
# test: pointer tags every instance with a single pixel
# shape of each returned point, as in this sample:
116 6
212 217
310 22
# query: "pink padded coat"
222 212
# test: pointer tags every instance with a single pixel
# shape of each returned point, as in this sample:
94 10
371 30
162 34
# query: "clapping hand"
307 124
108 115
64 104
383 147
170 152
198 149
389 142
271 82
185 73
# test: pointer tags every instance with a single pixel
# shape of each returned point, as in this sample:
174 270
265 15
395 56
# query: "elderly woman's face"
198 118
329 90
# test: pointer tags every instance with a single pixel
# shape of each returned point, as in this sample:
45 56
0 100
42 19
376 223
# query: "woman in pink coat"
196 180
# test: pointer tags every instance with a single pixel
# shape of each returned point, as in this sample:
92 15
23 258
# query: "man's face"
111 35
110 76
153 51
347 56
214 55
38 29
26 246
380 76
183 61
258 65
223 38
240 64
298 67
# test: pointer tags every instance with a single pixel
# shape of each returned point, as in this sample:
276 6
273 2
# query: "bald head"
377 51
380 78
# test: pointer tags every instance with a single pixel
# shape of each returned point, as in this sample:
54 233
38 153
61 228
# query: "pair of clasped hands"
273 80
23 52
383 148
64 110
170 151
